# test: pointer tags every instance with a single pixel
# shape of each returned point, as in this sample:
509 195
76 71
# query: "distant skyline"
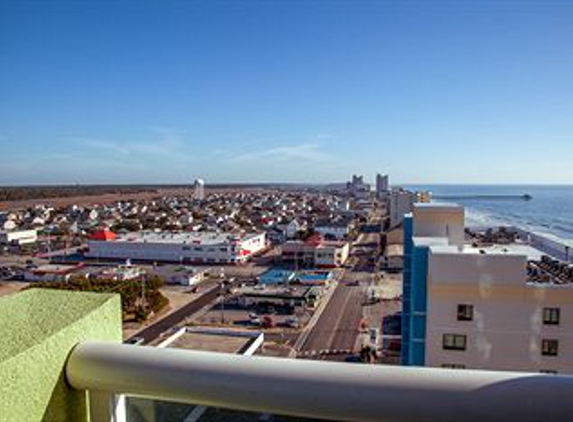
292 91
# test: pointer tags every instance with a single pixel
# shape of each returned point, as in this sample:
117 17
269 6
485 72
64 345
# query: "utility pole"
143 299
223 302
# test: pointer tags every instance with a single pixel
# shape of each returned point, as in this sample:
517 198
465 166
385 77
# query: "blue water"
549 213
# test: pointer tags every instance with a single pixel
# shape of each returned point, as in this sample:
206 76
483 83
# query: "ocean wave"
561 233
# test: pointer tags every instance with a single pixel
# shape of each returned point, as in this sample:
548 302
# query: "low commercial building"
192 247
480 306
325 254
51 272
18 237
288 297
331 254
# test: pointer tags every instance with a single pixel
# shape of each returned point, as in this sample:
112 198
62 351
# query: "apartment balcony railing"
323 390
61 359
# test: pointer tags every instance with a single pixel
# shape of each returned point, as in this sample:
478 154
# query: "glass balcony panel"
144 410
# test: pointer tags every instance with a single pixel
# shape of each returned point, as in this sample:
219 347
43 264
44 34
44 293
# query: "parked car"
267 322
292 322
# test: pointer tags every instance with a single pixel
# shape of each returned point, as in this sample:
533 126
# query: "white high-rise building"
400 202
481 305
199 193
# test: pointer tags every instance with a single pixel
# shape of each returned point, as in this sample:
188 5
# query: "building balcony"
62 359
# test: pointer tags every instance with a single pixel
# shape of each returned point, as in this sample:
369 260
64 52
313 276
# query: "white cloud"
103 144
310 152
168 143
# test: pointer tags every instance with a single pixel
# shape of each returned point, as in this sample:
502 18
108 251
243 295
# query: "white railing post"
106 407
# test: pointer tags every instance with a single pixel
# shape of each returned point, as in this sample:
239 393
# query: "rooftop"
438 207
222 342
198 238
440 245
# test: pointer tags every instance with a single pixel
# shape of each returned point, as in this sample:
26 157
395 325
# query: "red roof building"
103 235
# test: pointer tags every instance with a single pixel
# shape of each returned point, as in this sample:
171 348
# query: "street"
153 331
335 334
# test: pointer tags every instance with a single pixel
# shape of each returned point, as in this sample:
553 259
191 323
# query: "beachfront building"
401 202
477 306
189 247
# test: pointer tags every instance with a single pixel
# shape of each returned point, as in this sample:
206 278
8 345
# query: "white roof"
198 238
438 207
440 245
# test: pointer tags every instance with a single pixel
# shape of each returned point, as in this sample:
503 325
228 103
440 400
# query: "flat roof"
394 250
57 268
275 291
441 245
212 342
438 207
432 241
197 238
511 249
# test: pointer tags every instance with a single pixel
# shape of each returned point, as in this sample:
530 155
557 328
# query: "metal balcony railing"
323 390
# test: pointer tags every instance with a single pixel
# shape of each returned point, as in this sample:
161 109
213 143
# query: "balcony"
62 359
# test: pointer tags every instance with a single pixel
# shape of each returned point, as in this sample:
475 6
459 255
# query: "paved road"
335 334
153 331
338 327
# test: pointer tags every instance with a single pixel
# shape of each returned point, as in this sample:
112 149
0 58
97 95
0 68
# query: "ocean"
549 213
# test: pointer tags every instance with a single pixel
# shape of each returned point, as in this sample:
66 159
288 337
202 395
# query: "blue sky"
298 91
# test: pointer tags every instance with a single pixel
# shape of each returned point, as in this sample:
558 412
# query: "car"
255 319
292 322
136 341
268 322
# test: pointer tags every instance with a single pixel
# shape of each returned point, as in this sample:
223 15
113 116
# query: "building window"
453 366
454 341
465 312
551 316
549 347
